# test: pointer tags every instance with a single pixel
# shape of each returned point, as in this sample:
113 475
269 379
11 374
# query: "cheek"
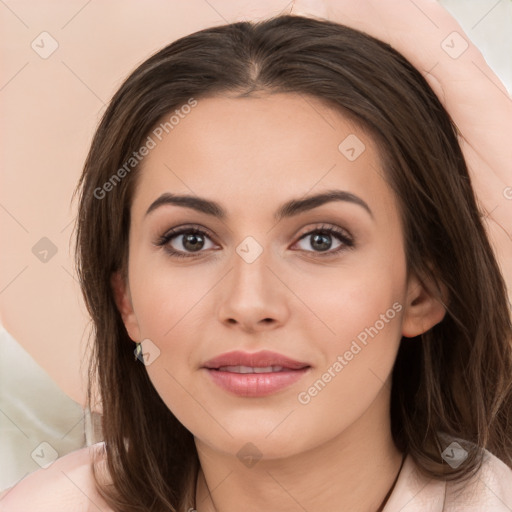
165 299
344 303
361 329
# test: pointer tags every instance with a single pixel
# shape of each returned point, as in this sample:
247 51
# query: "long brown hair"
455 380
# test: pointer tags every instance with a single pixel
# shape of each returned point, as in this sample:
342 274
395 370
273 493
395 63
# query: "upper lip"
260 359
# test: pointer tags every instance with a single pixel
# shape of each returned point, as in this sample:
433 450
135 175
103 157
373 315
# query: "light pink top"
67 486
489 491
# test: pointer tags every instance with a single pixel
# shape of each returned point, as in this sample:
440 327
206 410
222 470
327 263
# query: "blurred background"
61 62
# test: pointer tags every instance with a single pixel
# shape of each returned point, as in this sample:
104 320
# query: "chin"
253 439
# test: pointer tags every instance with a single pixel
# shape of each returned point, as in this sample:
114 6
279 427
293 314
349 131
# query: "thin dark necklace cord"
386 498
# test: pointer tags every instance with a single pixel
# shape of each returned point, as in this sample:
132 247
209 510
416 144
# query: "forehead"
256 151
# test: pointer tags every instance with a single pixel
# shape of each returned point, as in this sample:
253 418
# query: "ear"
424 307
121 290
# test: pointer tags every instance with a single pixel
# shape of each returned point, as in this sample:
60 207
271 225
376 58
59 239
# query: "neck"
352 472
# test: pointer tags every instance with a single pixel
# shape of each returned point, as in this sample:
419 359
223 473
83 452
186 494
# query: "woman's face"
266 278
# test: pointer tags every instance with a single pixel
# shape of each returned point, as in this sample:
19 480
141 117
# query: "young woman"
276 218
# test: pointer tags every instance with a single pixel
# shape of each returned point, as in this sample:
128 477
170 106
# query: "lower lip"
255 384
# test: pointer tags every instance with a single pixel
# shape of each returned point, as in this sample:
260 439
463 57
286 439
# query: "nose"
253 296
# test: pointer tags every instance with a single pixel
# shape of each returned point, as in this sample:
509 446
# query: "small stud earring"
138 351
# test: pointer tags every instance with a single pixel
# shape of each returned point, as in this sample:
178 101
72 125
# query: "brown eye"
184 242
192 241
321 240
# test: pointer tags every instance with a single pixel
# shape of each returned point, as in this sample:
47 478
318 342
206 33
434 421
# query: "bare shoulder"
67 485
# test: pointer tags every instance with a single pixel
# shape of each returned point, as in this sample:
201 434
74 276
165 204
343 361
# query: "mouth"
251 369
255 375
264 361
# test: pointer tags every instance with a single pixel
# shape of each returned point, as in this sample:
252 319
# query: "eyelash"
163 241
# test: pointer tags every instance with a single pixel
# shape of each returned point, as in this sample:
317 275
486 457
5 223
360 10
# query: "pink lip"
261 359
255 384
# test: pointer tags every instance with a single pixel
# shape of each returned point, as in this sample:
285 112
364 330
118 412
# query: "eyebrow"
288 209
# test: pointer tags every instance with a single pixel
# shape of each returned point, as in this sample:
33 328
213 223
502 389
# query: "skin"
251 155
